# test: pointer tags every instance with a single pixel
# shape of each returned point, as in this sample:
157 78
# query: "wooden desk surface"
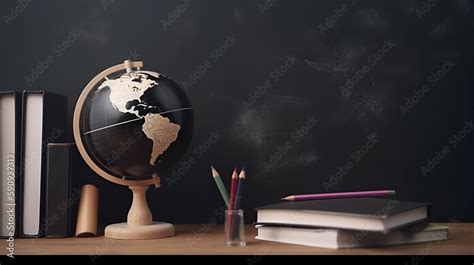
208 239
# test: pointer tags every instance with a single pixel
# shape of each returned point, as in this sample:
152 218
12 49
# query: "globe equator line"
124 122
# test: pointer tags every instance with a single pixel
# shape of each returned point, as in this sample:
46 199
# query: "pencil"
238 197
240 186
220 186
338 195
233 188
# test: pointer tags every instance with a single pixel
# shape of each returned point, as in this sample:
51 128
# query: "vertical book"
43 121
10 122
62 189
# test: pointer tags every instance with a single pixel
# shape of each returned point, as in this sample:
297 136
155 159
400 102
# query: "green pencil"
220 185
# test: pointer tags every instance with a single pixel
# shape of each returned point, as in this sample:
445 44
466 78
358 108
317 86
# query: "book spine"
19 188
57 190
54 131
18 128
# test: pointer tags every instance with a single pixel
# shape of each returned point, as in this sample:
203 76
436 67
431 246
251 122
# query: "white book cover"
337 238
33 125
7 152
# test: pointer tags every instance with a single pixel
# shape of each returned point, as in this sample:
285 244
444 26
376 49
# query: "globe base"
128 231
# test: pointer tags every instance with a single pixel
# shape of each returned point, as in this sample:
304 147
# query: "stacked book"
348 223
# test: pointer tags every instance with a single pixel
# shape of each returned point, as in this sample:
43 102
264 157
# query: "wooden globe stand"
139 223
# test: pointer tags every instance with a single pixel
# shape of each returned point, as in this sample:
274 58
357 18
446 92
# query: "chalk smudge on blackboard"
269 124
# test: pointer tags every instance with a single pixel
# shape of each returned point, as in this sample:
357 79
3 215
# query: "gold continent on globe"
157 128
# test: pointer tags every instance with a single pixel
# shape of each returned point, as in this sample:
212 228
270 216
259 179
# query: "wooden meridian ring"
77 133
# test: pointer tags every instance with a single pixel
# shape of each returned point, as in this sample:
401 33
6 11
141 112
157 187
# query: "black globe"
136 125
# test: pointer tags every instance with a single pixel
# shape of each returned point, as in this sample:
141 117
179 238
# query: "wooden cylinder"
88 210
139 213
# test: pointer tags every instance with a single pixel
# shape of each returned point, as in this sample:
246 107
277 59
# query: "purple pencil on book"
338 195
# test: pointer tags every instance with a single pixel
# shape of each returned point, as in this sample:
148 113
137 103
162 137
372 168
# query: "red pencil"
233 188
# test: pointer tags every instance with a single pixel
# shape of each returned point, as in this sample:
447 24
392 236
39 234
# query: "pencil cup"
234 228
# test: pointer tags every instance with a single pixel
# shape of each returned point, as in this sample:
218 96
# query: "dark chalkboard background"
256 73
